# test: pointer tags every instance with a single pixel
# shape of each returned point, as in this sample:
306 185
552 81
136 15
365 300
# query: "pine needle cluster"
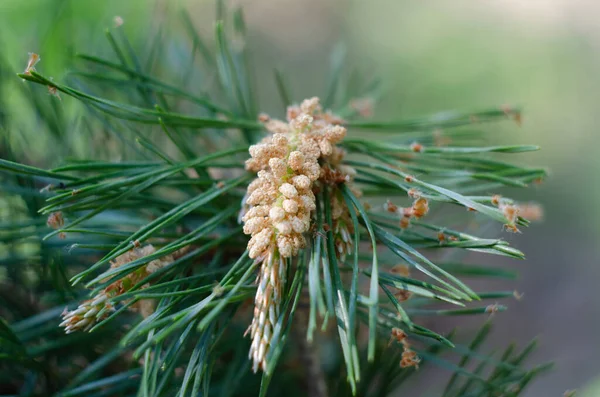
197 220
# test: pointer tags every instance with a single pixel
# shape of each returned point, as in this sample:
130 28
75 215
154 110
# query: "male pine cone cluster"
93 310
287 162
290 162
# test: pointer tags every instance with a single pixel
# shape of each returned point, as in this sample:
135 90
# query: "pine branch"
150 222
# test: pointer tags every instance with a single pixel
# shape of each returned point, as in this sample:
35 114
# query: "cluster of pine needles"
143 241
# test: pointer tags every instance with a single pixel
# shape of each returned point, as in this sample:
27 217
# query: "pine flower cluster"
409 357
279 204
287 162
56 221
418 209
92 311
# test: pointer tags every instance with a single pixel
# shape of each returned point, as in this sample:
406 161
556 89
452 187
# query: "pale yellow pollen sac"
310 148
312 171
267 177
326 147
279 140
290 206
299 242
308 203
310 105
298 225
255 225
283 227
257 197
261 210
285 246
296 160
301 122
289 191
276 214
335 133
278 167
256 150
301 182
259 242
255 184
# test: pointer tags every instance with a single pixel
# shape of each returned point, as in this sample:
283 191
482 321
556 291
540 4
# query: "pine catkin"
93 310
278 206
281 199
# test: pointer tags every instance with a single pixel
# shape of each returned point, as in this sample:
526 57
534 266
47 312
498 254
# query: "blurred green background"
436 55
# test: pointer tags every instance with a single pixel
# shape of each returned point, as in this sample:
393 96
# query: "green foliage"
165 166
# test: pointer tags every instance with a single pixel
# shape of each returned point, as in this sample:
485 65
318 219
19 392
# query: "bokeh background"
540 54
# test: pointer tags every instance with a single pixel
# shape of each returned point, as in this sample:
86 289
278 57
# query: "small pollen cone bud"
441 237
390 207
99 307
409 357
55 220
87 314
420 207
398 334
405 222
416 147
33 60
511 213
496 199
